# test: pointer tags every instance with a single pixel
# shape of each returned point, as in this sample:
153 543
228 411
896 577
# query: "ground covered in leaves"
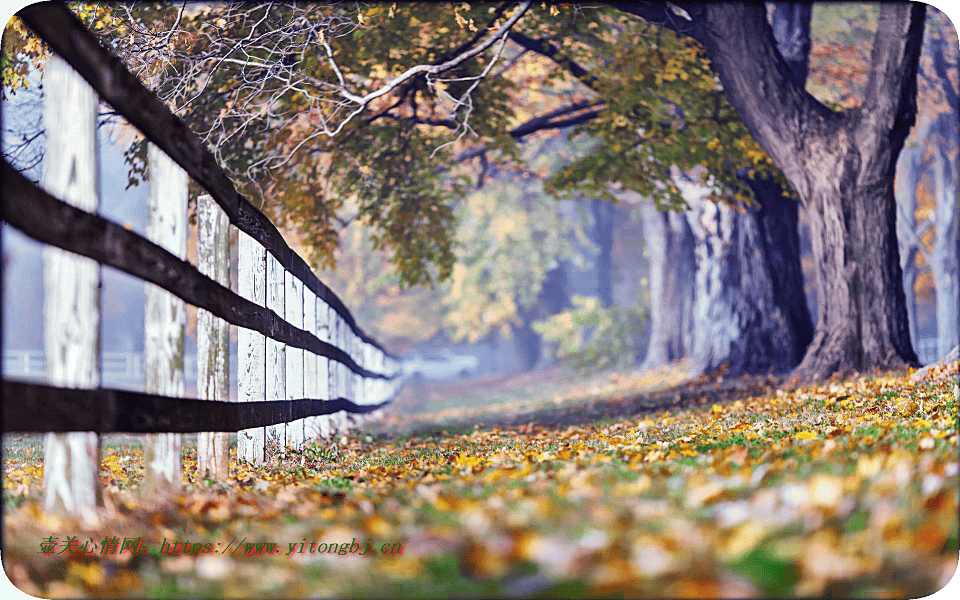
848 488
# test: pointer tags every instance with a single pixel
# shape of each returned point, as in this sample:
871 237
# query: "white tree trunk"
905 194
293 300
670 249
276 365
213 344
251 345
165 318
750 314
946 247
71 289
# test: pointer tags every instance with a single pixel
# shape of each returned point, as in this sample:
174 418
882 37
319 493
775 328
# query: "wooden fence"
304 363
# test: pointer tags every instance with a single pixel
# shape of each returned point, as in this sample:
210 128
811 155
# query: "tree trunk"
863 318
841 165
670 246
603 234
790 22
552 299
946 247
750 312
908 175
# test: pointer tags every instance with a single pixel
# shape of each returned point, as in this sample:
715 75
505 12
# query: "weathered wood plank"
293 307
357 354
71 290
324 424
165 318
341 376
213 344
251 345
46 219
276 355
311 387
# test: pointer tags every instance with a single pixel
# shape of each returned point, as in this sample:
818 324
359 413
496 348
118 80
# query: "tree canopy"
310 105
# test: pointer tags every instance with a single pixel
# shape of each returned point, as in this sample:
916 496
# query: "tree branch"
547 49
894 64
426 69
942 70
591 110
661 13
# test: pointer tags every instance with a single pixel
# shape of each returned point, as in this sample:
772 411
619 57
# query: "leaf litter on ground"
722 489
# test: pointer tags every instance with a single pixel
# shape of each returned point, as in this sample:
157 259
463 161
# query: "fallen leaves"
841 488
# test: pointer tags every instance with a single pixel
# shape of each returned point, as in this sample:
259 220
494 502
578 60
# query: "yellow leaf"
806 435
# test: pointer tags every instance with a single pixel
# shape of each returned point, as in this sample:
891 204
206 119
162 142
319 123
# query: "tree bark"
790 22
945 255
670 248
750 312
945 261
905 194
841 165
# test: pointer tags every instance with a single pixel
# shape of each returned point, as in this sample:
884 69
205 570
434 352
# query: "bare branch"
500 34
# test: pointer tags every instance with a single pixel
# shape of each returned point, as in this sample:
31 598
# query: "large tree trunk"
751 314
863 317
750 311
841 165
945 260
670 248
908 175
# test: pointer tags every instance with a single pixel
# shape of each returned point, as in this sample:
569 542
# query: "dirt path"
555 400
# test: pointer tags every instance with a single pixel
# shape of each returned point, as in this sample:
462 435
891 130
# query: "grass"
846 488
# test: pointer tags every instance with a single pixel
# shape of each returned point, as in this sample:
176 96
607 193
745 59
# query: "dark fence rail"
41 408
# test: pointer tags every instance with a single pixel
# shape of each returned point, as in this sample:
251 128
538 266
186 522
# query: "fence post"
251 345
276 367
293 300
324 425
213 345
71 463
341 370
333 367
165 317
310 387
